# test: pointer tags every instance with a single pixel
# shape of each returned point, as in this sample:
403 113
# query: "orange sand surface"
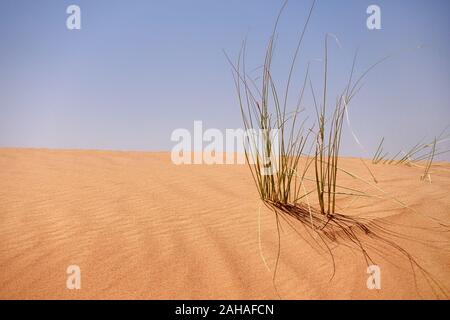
140 227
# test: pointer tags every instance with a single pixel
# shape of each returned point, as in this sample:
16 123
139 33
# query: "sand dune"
140 227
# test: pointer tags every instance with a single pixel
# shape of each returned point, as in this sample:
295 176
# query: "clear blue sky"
140 69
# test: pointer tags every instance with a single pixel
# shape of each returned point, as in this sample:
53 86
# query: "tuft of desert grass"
419 152
420 155
264 107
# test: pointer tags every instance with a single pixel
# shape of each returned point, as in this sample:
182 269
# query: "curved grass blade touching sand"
282 188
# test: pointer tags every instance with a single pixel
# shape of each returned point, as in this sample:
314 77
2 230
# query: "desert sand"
140 227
